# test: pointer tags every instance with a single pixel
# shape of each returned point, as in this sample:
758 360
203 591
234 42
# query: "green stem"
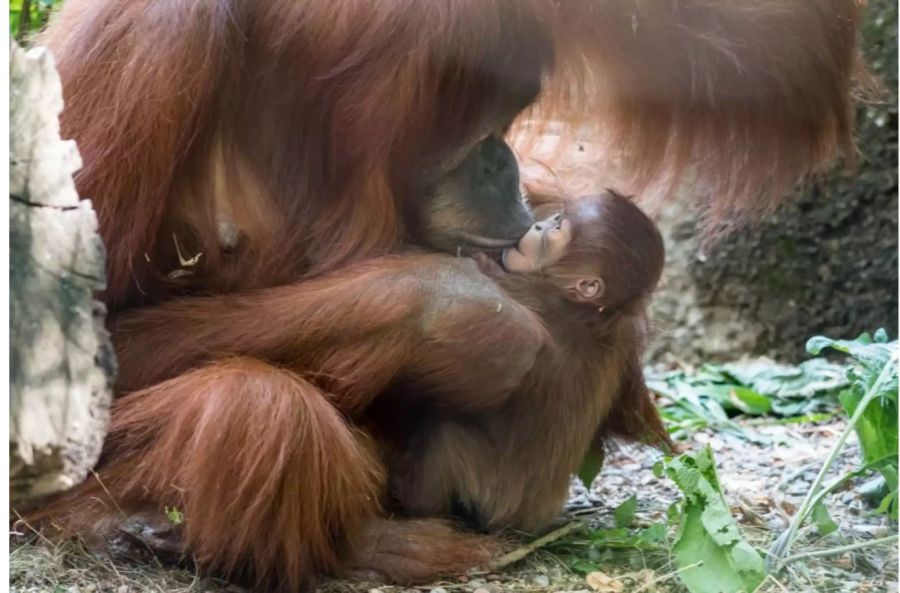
782 546
874 542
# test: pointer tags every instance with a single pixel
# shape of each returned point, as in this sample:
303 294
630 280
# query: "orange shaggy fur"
247 366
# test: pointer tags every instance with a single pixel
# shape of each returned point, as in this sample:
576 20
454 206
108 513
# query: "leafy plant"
710 397
710 550
870 400
584 552
876 427
29 15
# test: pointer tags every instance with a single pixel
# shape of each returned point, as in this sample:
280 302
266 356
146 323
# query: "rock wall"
826 263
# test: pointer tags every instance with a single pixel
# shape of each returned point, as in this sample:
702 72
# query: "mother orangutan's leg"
265 470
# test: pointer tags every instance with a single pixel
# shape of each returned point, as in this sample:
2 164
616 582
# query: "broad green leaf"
706 398
710 550
876 428
807 380
624 513
749 401
824 523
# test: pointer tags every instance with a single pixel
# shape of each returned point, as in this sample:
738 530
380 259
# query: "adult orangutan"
241 155
438 360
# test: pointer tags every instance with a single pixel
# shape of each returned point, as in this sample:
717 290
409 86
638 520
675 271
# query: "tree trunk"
61 360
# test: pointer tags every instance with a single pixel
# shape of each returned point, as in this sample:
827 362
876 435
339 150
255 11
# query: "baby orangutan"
586 273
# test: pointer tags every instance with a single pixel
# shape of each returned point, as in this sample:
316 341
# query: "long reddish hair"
304 121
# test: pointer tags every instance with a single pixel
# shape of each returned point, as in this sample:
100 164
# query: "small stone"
481 590
798 488
438 590
374 590
123 589
542 580
476 583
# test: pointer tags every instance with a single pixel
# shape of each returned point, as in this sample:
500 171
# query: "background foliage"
37 12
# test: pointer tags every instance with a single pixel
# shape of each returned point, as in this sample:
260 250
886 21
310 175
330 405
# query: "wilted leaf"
602 582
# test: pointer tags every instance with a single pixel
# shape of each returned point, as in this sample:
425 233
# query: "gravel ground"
763 484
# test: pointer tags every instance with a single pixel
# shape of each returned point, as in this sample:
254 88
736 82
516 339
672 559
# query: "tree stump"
61 359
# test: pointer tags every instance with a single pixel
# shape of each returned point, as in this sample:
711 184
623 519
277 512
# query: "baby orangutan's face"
541 246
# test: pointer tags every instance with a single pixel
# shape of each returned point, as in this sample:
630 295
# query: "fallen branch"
520 553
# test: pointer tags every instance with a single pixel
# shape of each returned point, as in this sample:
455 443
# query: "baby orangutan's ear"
588 289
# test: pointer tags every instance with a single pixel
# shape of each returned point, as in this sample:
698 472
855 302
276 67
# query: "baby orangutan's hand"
489 266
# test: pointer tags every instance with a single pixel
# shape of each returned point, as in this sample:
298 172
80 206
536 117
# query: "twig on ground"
520 553
839 550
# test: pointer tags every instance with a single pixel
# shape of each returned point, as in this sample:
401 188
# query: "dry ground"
763 484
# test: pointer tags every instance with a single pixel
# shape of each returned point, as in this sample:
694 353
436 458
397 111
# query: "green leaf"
888 506
749 401
875 378
809 379
624 513
710 550
708 397
583 566
14 15
876 428
591 466
673 513
650 538
659 469
824 523
653 534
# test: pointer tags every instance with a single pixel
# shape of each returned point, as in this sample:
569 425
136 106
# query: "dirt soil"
764 484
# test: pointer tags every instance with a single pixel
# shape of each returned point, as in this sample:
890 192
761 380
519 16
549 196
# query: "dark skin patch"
477 206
